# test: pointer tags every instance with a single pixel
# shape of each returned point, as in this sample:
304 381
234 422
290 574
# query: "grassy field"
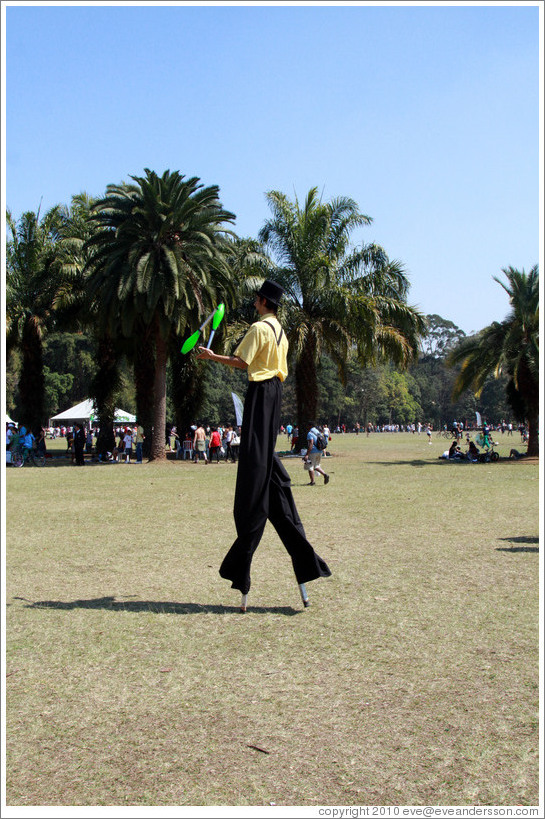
412 679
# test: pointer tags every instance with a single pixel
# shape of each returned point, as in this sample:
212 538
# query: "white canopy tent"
122 417
84 413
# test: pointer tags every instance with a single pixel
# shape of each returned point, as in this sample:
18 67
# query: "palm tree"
337 299
31 286
158 262
510 347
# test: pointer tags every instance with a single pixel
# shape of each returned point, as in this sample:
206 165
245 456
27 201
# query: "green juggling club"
190 342
218 315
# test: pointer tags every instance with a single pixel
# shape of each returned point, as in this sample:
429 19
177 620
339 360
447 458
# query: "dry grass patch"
411 679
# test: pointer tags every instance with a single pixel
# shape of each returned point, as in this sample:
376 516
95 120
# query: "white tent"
81 412
84 412
122 417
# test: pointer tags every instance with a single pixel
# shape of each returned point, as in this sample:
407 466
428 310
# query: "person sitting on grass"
473 452
454 453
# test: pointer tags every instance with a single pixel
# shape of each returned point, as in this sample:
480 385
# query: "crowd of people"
202 443
216 443
80 441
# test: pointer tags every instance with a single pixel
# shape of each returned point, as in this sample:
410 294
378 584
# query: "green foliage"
401 404
218 407
73 353
58 387
331 392
13 368
493 402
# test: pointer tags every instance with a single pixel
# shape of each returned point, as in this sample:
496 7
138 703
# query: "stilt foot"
304 595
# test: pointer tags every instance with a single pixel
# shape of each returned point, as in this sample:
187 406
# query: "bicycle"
446 433
23 455
489 455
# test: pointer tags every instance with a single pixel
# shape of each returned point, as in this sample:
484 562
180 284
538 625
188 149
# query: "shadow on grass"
154 606
521 539
443 462
56 461
417 463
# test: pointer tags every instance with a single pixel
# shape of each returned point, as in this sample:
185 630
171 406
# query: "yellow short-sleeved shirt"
261 352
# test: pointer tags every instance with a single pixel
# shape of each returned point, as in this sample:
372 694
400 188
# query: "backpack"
321 442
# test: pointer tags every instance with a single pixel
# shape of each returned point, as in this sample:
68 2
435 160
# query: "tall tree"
442 336
31 287
509 347
337 297
158 260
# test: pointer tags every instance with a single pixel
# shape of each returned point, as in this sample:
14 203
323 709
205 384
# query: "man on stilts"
263 487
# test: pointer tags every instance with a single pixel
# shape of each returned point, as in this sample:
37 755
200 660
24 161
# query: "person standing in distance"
139 442
314 457
263 486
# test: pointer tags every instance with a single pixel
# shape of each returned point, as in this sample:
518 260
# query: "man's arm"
228 360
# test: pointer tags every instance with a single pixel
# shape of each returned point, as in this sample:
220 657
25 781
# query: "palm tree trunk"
529 387
533 437
306 388
158 452
31 381
144 375
103 390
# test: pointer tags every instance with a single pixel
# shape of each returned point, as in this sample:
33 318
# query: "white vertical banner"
239 409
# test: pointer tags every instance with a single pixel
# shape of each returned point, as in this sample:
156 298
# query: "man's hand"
229 360
205 353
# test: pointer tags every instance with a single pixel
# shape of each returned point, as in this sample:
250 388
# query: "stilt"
243 604
304 595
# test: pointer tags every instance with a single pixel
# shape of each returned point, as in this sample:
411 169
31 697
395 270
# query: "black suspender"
279 339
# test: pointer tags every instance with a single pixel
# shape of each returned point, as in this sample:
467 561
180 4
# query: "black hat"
271 291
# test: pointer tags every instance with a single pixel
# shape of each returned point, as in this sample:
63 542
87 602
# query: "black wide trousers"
263 492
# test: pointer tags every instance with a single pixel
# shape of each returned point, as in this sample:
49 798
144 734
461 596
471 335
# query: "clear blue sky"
428 116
